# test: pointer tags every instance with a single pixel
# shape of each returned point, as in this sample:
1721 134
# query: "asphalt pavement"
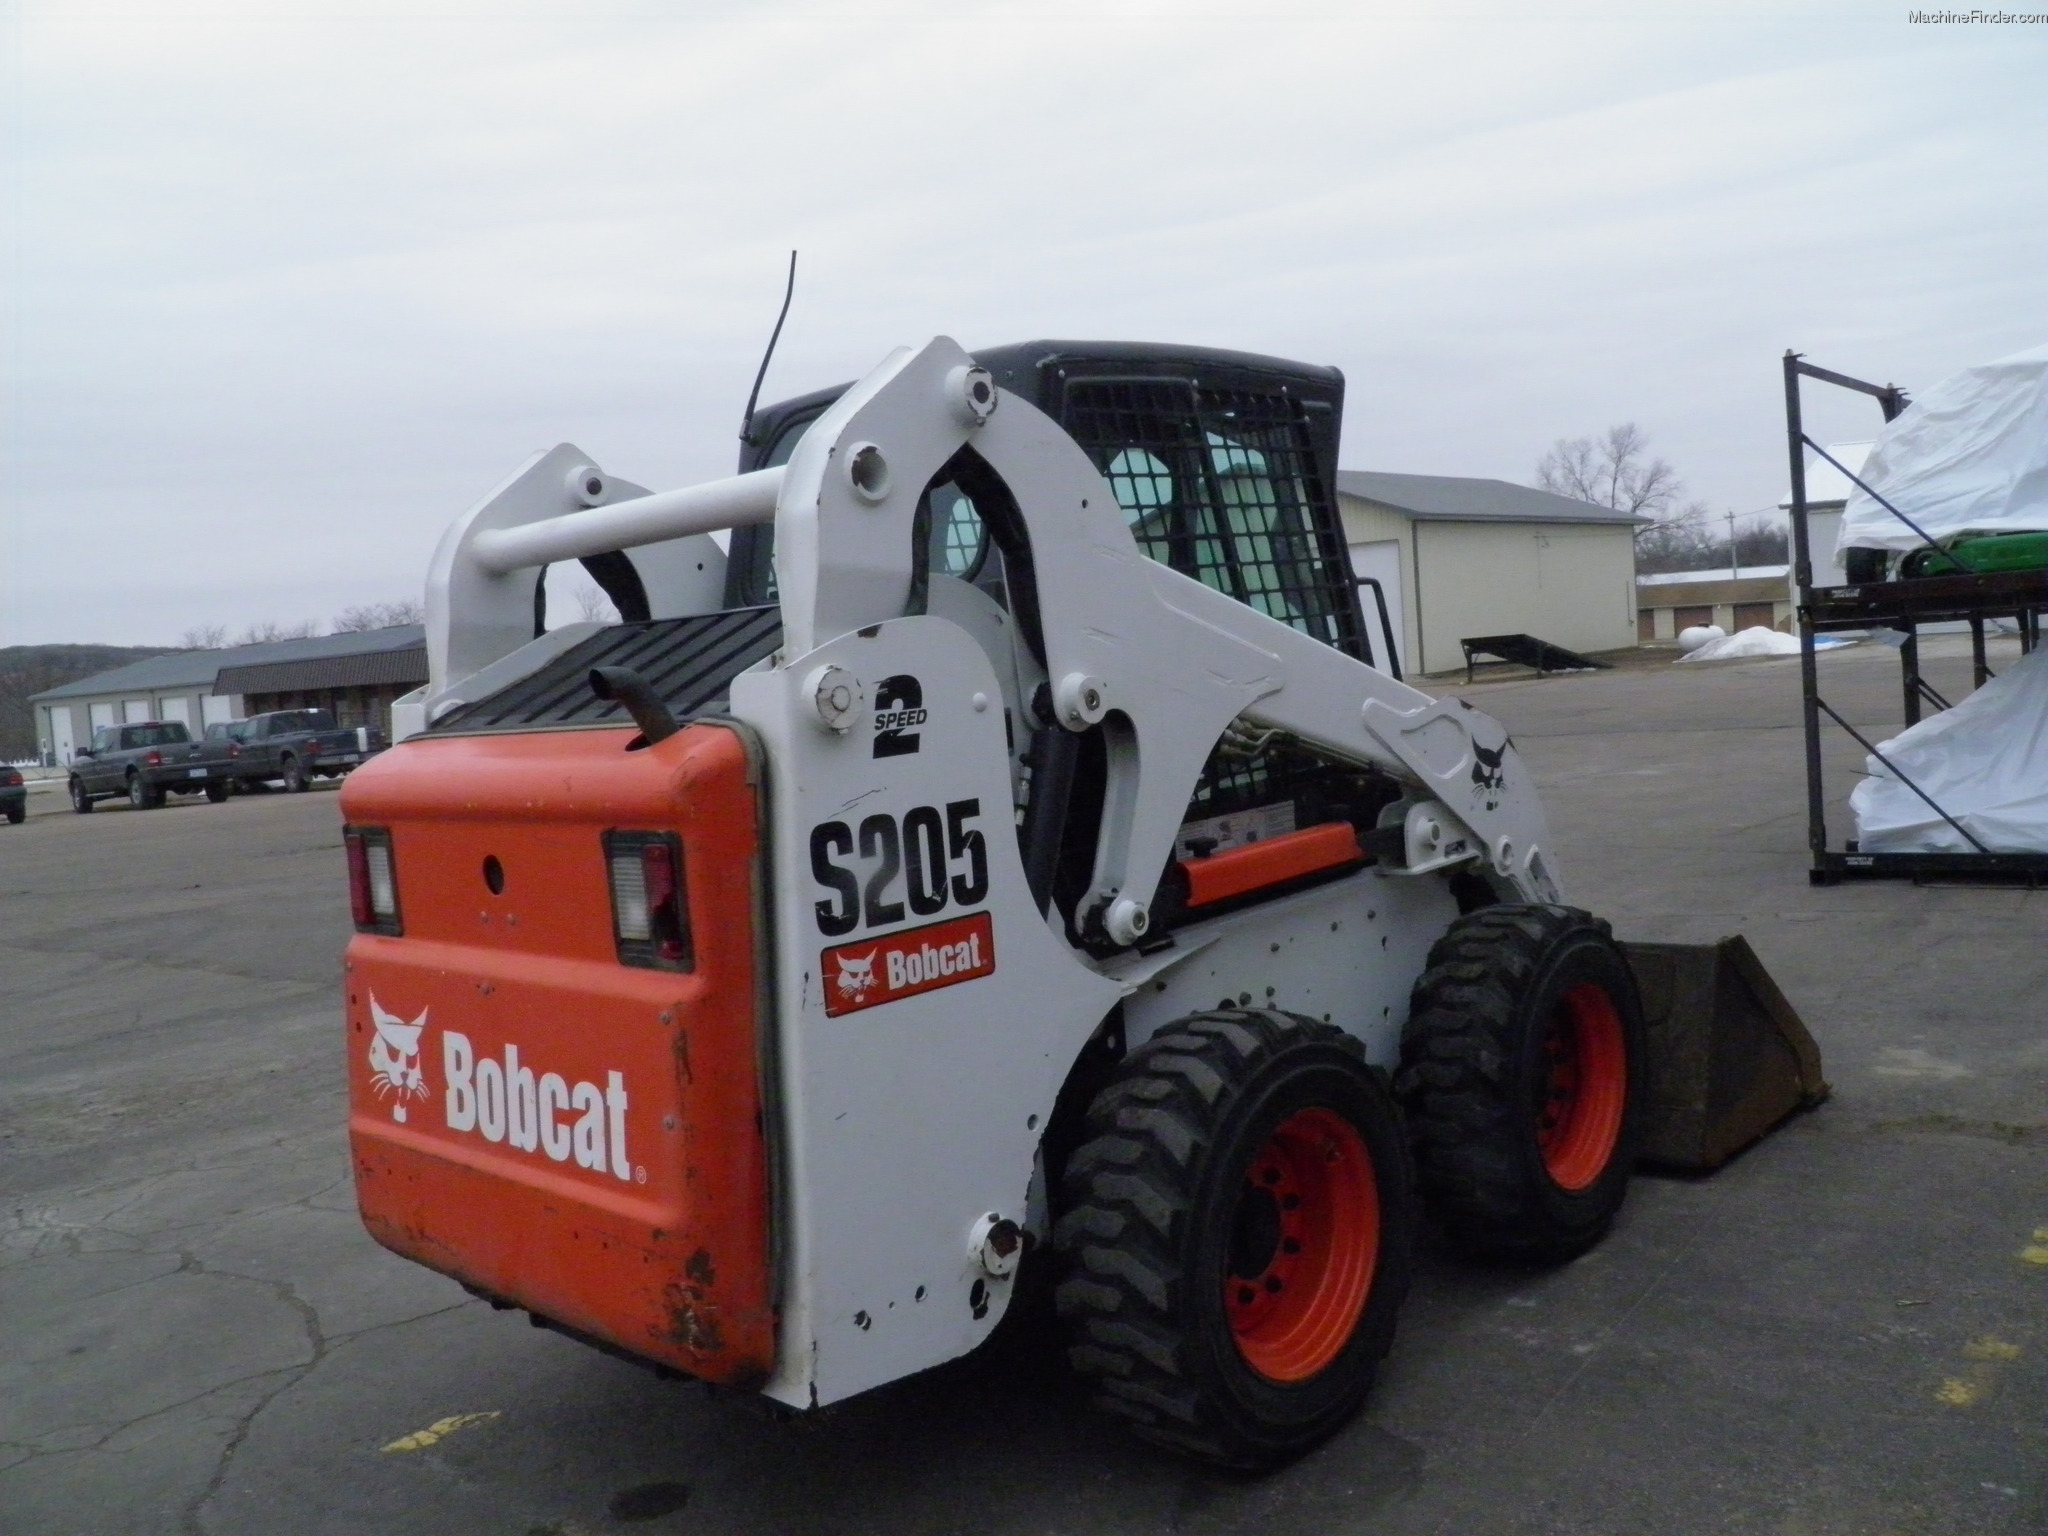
1843 1333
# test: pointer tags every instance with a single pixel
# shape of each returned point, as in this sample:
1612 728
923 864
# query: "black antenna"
747 426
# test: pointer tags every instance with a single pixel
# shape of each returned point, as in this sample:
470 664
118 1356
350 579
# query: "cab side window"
1221 485
958 545
956 541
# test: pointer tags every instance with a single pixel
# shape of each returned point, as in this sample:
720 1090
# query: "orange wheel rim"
1304 1240
1584 1088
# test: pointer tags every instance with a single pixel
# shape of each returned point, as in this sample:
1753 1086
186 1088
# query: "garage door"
1749 615
1686 618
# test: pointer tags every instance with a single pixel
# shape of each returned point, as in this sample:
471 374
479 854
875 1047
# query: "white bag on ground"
1985 762
1746 645
1969 455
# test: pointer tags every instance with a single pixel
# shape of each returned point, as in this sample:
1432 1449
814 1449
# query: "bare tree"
595 606
204 637
405 610
1763 541
1616 470
1697 540
270 629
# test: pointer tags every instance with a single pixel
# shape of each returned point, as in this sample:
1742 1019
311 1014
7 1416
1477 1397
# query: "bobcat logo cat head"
1487 776
855 976
395 1058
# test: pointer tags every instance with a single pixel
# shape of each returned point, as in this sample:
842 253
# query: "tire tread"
1129 1197
1457 1082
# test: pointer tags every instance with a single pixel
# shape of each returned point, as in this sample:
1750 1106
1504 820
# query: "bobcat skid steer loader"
1014 851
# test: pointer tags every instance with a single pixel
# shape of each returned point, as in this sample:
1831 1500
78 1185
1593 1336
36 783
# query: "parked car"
144 761
295 745
13 796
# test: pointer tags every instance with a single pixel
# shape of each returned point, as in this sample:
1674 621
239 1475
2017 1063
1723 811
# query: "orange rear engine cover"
530 1115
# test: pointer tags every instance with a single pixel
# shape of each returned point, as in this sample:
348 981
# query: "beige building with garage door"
1759 595
1458 558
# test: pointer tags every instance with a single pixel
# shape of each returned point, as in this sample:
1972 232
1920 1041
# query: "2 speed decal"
899 709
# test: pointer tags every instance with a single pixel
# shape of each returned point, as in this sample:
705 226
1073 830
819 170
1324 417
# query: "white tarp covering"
1985 762
1970 455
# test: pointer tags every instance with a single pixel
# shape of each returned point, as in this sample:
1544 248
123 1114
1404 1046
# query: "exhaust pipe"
622 685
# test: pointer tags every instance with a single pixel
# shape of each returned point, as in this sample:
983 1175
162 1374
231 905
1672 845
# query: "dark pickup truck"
144 761
295 745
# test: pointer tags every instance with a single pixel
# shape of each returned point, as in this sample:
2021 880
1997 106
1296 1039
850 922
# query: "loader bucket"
1729 1059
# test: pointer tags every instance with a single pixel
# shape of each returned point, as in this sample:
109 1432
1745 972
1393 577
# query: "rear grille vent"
690 663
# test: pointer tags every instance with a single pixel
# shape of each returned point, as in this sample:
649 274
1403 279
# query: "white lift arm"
1161 662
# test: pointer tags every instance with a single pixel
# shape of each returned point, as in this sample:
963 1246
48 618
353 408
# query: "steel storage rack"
1870 601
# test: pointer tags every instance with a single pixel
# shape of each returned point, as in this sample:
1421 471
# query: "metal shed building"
1461 557
356 675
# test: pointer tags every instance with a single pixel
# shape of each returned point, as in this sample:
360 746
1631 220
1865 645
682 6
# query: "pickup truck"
295 745
145 761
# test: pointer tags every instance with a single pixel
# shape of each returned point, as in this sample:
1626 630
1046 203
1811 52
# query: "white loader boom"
1163 661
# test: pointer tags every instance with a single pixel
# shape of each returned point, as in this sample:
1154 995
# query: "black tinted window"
153 735
285 722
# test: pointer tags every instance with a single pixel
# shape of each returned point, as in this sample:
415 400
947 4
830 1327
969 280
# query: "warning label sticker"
876 971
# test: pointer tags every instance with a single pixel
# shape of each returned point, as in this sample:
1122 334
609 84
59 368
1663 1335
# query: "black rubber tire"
143 795
293 772
81 802
1474 1076
17 814
216 792
1151 1197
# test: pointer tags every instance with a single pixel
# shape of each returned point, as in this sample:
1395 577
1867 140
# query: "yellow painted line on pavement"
439 1430
1958 1393
1990 1347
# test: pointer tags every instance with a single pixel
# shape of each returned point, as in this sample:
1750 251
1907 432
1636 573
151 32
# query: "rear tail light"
650 918
13 777
372 881
154 760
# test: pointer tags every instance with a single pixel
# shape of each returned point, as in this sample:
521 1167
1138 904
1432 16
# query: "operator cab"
1224 464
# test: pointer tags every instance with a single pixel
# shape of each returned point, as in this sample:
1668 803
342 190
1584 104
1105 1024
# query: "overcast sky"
288 287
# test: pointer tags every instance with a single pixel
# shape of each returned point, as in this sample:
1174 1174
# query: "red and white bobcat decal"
877 971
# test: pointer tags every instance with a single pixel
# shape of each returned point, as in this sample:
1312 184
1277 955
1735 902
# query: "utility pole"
1734 566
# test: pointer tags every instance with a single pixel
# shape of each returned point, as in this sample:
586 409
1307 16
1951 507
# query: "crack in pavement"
320 1347
43 1220
115 965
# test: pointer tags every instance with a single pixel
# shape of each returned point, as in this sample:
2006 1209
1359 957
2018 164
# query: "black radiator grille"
689 663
